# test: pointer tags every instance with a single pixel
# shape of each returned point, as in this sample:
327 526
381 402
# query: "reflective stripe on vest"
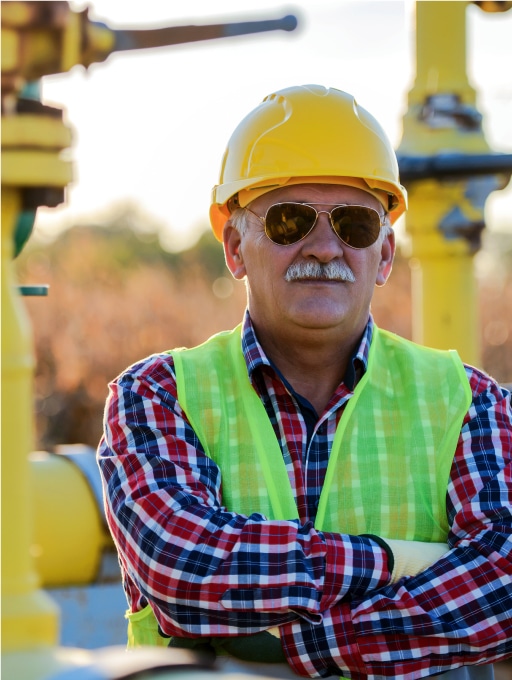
392 452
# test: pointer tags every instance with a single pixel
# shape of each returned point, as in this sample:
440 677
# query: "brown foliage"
108 306
116 297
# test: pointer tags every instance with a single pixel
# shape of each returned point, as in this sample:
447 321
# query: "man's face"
278 304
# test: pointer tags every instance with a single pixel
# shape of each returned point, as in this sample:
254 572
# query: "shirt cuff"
318 651
284 600
354 565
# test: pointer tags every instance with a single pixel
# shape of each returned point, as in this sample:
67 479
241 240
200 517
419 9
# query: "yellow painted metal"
443 288
440 70
17 14
34 168
441 50
66 535
9 43
69 51
444 310
69 534
30 151
85 42
30 130
444 298
31 157
29 617
38 41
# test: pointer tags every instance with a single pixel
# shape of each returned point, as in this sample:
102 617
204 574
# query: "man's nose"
322 242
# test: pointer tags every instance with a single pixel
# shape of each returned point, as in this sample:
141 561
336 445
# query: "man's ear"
387 255
233 251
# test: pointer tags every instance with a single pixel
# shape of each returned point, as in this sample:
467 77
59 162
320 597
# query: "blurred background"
133 268
129 258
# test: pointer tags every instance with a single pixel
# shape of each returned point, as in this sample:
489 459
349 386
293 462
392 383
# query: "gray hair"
239 220
386 228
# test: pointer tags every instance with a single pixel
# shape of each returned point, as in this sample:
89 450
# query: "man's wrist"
389 553
355 565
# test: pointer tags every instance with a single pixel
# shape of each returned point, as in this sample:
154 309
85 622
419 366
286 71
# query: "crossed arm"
209 572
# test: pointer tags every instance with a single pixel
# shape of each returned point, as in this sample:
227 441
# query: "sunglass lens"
356 226
287 223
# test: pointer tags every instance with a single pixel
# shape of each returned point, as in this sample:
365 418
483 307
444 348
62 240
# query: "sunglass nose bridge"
315 217
328 221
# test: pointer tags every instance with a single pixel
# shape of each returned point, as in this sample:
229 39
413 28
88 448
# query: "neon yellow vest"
390 459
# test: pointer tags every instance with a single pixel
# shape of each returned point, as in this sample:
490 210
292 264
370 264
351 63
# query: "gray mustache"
332 271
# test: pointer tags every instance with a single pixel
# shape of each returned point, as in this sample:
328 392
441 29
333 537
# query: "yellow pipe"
32 167
39 40
29 617
26 130
10 47
441 49
442 118
443 293
69 534
440 71
31 147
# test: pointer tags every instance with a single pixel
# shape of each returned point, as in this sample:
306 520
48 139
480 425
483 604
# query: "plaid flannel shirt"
210 572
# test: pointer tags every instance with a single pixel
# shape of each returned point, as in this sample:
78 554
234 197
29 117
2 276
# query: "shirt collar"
255 357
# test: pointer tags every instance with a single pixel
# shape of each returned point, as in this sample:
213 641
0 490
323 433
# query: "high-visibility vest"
392 452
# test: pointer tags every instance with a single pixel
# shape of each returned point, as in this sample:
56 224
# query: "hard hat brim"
220 213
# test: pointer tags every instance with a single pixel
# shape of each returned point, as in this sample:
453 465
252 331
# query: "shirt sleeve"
457 612
207 571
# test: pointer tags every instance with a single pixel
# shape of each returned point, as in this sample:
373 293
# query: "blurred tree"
116 296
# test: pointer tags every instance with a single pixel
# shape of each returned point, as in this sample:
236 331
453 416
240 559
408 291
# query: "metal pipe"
455 165
177 35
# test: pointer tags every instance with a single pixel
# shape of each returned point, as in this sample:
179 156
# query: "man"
309 491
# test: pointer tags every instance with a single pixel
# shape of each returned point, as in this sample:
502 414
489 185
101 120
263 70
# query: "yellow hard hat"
306 134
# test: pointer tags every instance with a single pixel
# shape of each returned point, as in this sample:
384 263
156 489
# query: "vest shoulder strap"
232 425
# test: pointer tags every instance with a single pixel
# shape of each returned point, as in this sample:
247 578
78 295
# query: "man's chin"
320 317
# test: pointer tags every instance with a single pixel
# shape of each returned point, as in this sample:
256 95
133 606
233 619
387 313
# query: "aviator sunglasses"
357 226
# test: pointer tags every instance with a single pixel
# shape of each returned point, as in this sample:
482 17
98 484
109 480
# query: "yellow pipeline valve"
33 139
31 146
29 618
40 39
44 38
449 171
